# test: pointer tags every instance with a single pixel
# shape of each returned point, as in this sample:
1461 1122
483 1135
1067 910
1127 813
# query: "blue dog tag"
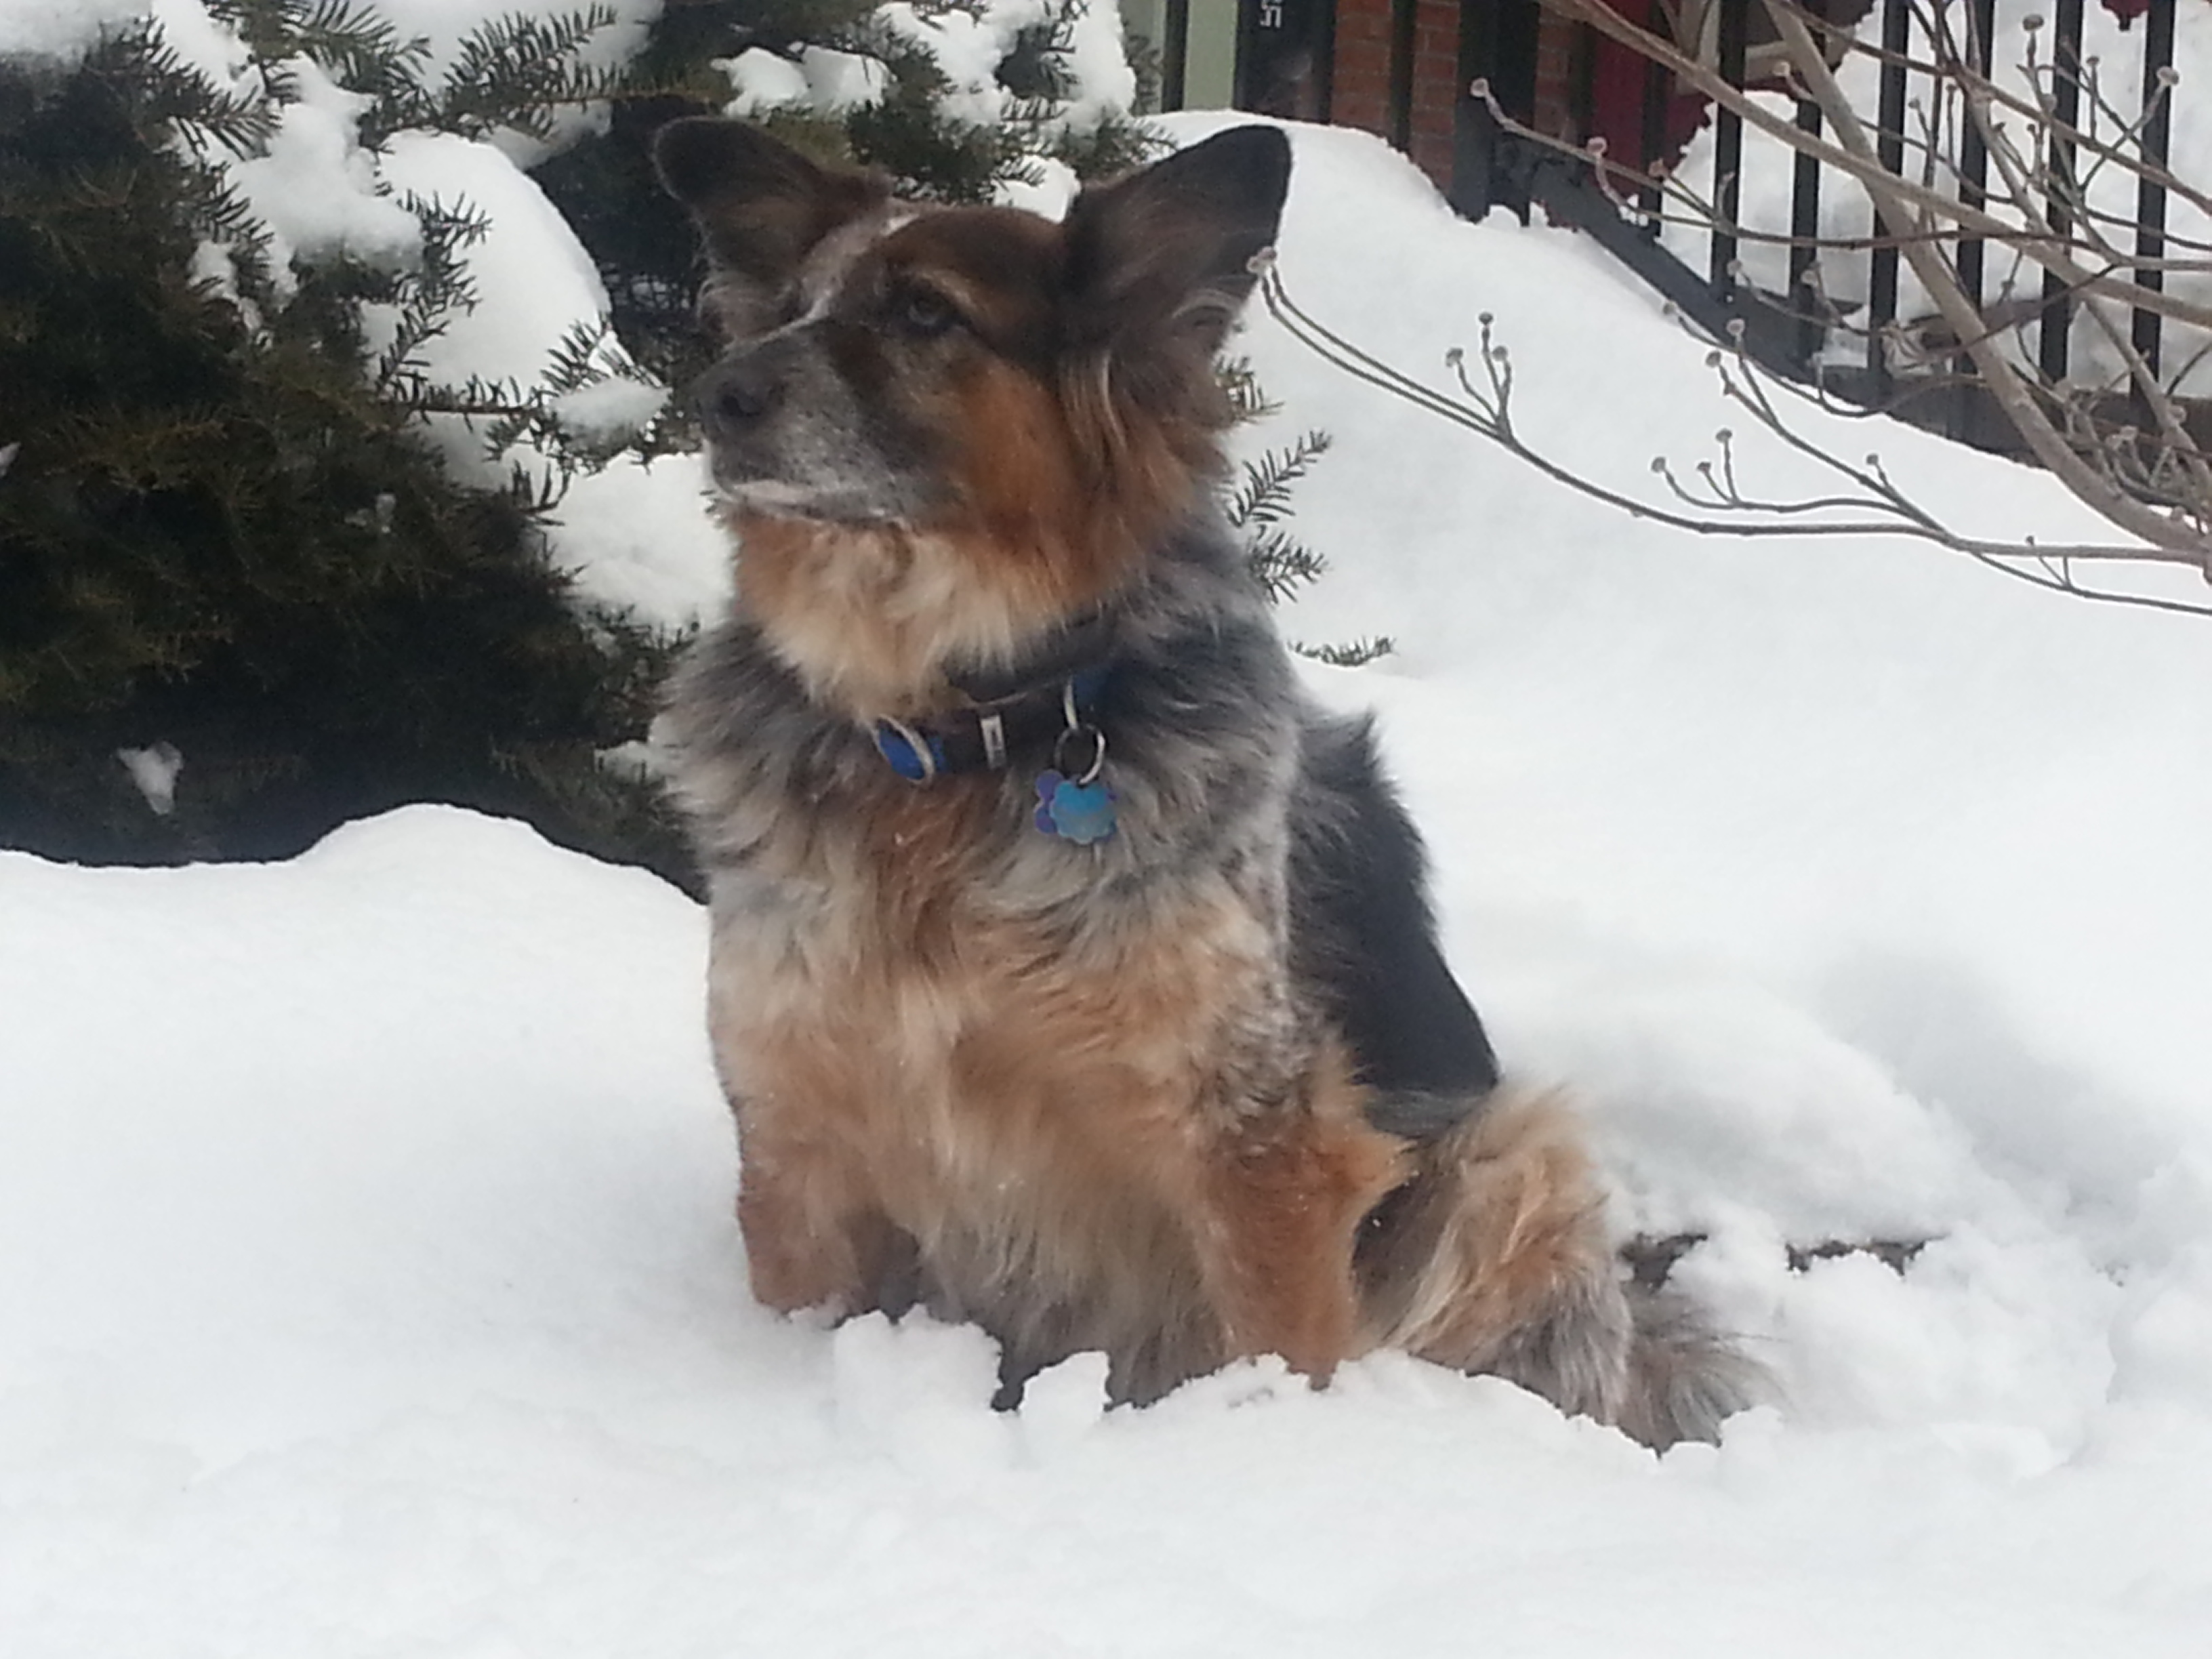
1080 812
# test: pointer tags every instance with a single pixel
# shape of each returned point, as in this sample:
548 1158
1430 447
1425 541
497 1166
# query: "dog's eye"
922 312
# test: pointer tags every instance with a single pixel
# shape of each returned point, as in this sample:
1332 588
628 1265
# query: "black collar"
1085 643
1056 691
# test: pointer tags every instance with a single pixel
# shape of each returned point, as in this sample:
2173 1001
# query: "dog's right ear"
761 206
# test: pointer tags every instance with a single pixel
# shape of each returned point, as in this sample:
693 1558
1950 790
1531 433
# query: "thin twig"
1486 410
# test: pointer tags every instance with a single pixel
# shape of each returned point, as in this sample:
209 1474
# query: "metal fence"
1782 330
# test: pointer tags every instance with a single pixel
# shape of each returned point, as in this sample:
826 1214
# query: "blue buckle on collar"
914 756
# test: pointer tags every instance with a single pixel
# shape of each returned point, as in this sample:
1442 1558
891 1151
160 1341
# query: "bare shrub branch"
2116 429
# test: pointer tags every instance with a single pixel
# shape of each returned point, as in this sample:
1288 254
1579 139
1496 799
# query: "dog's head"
970 411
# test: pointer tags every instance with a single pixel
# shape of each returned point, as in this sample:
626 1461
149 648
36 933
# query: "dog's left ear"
1170 247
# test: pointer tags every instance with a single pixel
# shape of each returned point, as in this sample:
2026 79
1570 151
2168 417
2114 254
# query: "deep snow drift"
367 1284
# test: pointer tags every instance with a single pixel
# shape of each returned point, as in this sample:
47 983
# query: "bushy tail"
1684 1377
1496 1258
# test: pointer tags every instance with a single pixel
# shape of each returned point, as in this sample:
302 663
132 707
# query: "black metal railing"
1790 332
2150 195
1404 15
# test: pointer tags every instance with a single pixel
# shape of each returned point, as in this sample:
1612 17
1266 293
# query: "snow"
824 80
636 537
535 287
319 193
60 29
760 81
968 43
371 1289
368 1284
611 409
155 770
535 281
968 46
1854 872
1098 64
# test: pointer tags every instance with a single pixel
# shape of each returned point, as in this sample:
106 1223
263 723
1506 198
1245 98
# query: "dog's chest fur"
917 990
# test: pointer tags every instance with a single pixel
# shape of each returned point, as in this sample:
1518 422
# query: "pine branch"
429 294
587 356
1357 654
1246 401
514 71
1281 563
365 53
1264 498
236 539
167 95
1035 68
578 360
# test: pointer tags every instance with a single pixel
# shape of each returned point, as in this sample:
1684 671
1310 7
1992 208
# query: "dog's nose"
733 395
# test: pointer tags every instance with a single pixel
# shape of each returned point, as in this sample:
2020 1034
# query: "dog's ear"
760 205
1170 248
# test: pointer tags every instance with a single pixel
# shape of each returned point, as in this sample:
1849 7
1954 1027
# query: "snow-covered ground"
368 1284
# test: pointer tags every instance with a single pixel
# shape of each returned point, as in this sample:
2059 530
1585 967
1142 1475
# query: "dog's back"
1071 974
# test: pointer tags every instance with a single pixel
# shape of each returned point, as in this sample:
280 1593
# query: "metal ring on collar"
1089 773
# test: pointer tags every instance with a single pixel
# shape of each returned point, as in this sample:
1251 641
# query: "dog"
1072 973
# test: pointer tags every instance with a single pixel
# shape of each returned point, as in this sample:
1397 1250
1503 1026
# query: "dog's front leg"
1285 1195
814 1236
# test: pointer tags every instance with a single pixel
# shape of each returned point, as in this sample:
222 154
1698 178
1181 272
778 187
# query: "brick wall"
1360 95
1359 89
1436 85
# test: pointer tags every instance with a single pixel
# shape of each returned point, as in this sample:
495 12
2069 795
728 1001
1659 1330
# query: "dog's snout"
733 395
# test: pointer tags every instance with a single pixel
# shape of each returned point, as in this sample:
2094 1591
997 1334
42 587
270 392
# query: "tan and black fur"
1201 1089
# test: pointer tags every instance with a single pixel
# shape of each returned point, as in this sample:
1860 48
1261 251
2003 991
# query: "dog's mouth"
774 499
740 489
773 496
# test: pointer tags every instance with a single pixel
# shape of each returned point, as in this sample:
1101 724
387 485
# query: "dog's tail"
1685 1376
1496 1257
